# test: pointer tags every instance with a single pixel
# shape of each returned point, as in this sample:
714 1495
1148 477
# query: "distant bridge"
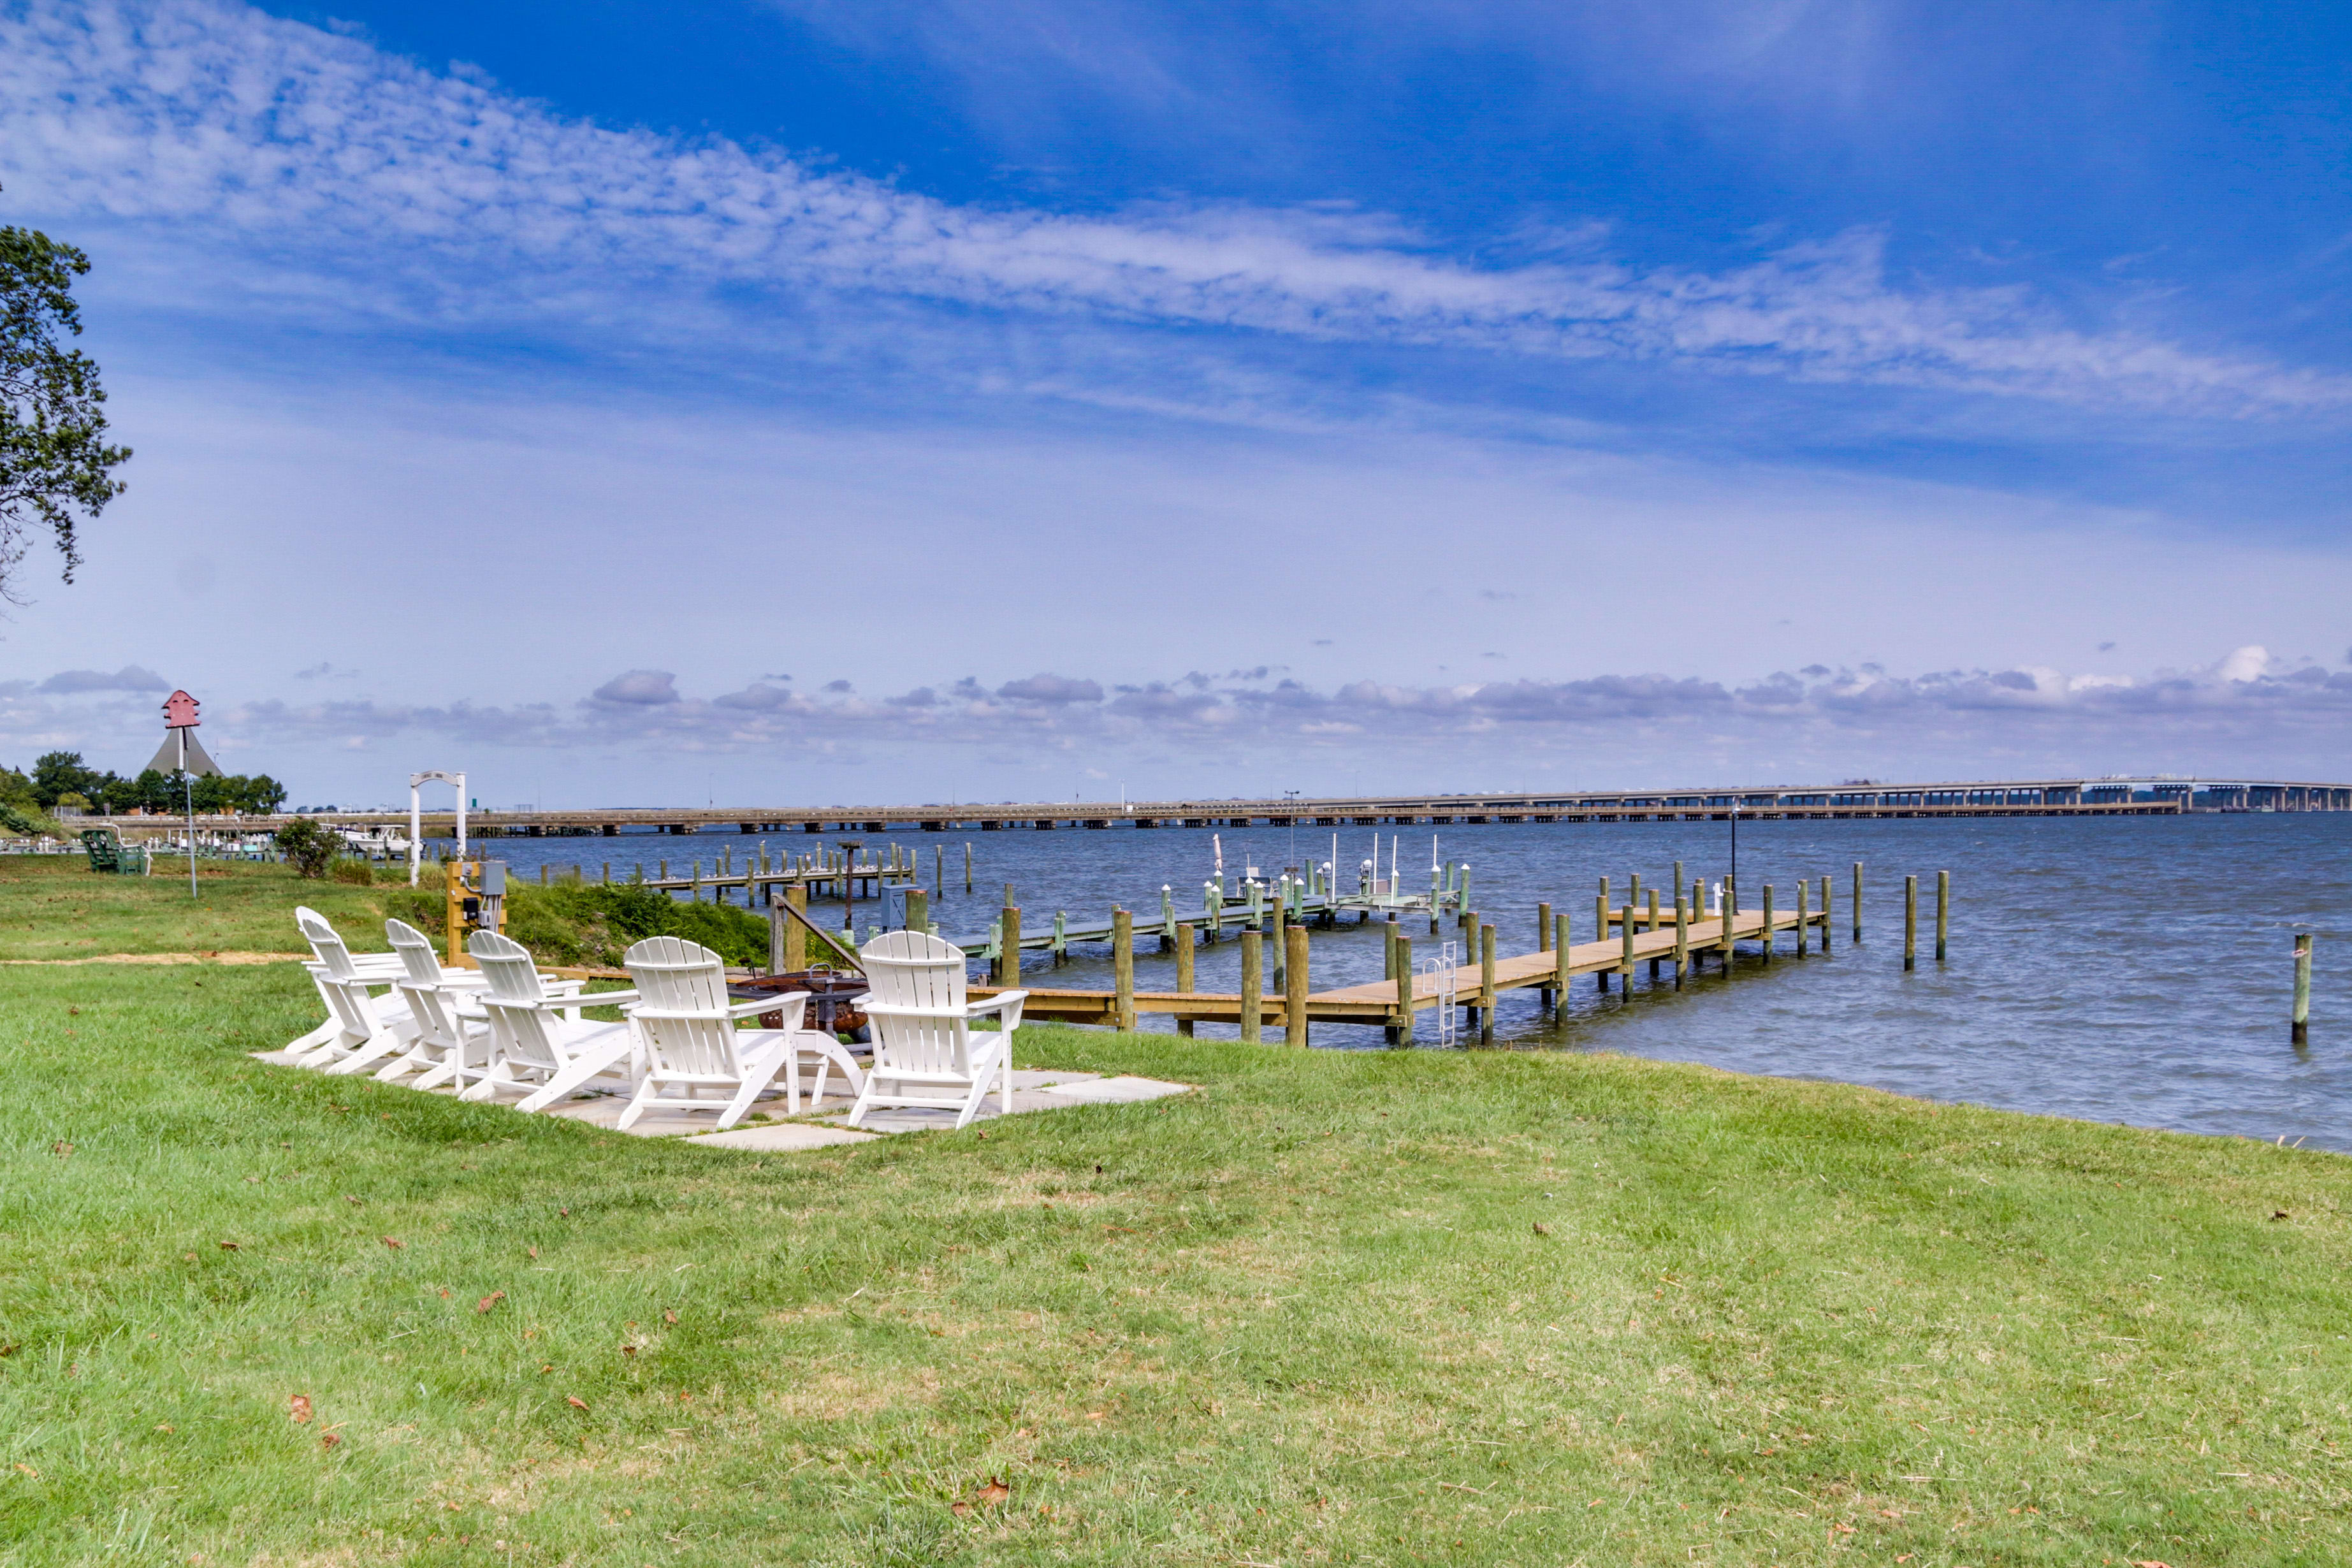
2158 795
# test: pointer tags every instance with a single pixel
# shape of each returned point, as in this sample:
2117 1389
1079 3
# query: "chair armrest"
553 1003
766 1004
1002 999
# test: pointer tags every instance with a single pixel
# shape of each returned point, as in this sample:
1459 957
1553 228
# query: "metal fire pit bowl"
833 999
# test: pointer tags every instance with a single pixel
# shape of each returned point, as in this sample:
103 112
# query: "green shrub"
355 873
308 847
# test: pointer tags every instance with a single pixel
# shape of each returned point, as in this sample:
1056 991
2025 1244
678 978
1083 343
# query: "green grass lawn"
52 905
1337 1307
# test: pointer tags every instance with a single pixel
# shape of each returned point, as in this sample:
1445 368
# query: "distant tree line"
62 778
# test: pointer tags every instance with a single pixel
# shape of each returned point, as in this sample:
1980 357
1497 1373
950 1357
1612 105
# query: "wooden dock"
1379 1002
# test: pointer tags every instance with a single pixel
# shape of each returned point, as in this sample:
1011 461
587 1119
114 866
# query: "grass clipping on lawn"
1477 1307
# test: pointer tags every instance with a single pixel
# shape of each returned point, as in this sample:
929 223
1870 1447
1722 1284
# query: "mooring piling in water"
1804 890
1857 904
1485 984
1910 923
1767 922
1826 912
1943 913
1543 944
2299 1022
1682 932
1649 925
1600 926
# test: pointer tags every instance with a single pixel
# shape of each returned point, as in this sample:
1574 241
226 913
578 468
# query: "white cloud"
374 187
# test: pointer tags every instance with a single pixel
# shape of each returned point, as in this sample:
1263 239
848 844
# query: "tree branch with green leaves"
56 470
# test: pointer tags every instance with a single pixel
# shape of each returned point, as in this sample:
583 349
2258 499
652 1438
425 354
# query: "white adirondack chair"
360 1030
447 1037
687 1025
924 1043
538 1043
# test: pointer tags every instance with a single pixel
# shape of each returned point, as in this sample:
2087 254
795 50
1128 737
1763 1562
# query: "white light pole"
416 815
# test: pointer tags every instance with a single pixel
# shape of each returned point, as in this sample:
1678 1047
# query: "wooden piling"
1767 922
2299 1020
1122 957
1008 962
1728 904
1601 927
1682 934
1560 955
919 910
1280 932
1943 913
1826 885
1856 940
1625 961
1485 985
1253 988
967 865
796 933
1910 921
1185 973
1543 944
1404 988
1805 915
1294 985
1652 924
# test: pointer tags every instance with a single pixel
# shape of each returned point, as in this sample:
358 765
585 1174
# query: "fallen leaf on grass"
27 1469
391 1241
491 1300
162 1427
574 1401
353 1198
327 1439
628 1350
1542 1229
299 1407
61 1148
669 1317
228 1246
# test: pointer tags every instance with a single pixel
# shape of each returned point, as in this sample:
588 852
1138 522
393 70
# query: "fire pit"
833 999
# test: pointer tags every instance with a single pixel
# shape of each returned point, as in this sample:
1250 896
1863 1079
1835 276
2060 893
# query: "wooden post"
1652 924
1560 954
1728 905
796 933
1767 922
1543 944
1634 891
1281 944
1485 985
608 871
543 872
1185 973
1826 886
940 872
1601 927
918 909
1404 988
1253 987
1910 921
1122 957
967 865
454 916
1943 913
1677 883
2299 1022
1857 903
1682 937
1294 985
1804 917
1625 960
1008 963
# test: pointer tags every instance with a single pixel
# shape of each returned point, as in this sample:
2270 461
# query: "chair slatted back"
417 960
327 942
916 971
520 1030
681 1015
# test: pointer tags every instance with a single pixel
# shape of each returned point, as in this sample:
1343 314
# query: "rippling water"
2130 970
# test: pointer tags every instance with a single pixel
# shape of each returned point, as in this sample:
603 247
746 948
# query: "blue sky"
798 401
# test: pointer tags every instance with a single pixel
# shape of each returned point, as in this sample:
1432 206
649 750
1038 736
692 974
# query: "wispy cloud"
130 678
375 187
2244 691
